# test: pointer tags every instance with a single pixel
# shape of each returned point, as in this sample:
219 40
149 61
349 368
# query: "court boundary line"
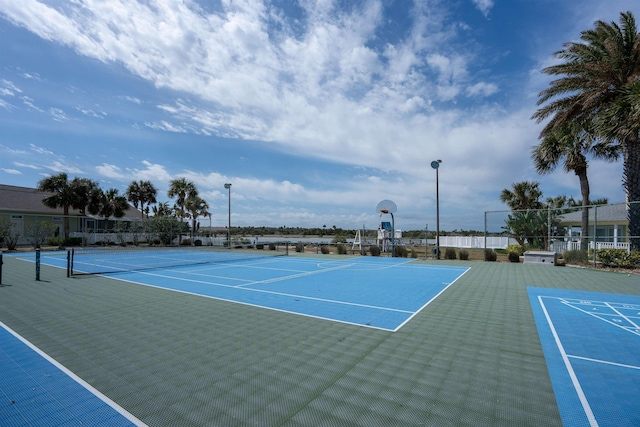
431 300
113 405
281 310
260 291
572 375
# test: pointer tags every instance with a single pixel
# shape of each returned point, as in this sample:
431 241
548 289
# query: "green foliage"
299 247
272 246
7 235
464 255
401 252
39 231
514 252
491 255
618 258
576 257
324 249
55 241
516 249
374 250
342 249
450 253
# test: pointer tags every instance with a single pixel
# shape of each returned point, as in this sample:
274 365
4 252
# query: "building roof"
605 213
27 200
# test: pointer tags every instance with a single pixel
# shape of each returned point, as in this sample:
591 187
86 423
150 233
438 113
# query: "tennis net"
115 260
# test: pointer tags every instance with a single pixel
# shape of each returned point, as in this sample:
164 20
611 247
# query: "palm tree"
196 206
134 195
525 196
148 195
597 81
84 191
162 209
570 144
111 204
62 196
181 188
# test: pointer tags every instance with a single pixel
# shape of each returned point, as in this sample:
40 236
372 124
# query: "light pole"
228 187
436 164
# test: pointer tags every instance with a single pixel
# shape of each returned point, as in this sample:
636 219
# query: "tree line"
87 197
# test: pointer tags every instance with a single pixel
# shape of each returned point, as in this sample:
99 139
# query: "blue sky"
314 110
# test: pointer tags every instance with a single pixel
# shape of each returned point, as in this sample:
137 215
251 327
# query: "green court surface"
472 357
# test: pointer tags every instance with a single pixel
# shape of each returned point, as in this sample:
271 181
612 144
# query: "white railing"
560 247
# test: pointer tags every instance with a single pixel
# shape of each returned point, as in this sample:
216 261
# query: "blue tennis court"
39 391
381 293
376 292
591 342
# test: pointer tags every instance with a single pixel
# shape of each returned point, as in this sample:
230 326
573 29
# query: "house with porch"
608 228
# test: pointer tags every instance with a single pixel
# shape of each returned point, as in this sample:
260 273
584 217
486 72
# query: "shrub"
618 258
576 257
198 242
514 257
401 252
260 246
414 254
342 249
374 250
72 241
324 249
491 255
450 253
186 242
272 246
464 254
55 241
299 247
516 249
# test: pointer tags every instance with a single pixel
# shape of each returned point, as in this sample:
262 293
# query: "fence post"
0 268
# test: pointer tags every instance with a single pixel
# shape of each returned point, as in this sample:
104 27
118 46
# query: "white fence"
493 242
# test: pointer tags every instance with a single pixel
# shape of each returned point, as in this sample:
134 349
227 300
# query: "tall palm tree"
111 204
597 80
62 196
196 206
181 189
525 196
570 144
83 189
134 195
148 195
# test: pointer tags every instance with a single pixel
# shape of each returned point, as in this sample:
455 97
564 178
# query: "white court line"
430 301
600 316
256 290
76 378
604 362
574 379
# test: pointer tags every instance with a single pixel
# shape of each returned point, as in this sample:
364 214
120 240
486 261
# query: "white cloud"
11 171
111 171
483 6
